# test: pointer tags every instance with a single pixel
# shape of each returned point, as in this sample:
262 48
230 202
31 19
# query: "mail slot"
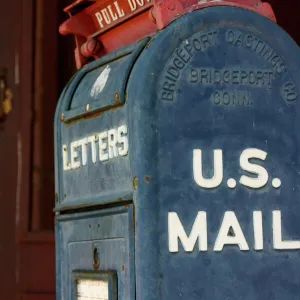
178 167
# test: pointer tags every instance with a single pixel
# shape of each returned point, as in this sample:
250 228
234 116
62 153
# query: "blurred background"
35 64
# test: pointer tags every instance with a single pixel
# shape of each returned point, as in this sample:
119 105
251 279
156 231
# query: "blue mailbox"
178 166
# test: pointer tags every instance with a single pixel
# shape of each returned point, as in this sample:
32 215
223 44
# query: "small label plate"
88 289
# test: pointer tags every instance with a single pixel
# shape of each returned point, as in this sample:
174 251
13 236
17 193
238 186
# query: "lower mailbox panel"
97 241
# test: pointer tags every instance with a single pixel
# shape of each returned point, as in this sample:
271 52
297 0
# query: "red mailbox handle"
101 27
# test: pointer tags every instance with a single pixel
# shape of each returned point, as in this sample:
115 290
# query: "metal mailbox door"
94 222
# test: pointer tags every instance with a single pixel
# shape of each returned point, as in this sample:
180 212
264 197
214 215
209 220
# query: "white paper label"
92 290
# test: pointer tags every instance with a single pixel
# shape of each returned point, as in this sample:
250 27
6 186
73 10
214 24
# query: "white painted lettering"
261 172
230 233
83 143
120 11
258 230
112 143
225 237
140 2
106 16
198 232
122 140
278 242
100 19
75 163
198 169
112 14
66 162
103 155
92 140
132 5
109 144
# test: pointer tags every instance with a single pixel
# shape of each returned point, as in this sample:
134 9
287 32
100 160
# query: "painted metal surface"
107 234
75 184
212 108
104 82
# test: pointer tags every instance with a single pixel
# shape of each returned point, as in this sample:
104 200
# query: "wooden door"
9 157
46 64
35 239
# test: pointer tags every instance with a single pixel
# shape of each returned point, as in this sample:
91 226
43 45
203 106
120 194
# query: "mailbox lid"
108 237
187 106
91 133
101 85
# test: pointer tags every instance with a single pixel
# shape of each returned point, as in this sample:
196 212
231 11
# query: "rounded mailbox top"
222 87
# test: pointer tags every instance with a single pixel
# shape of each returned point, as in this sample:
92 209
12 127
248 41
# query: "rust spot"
147 179
123 268
86 117
117 98
128 228
135 183
62 117
96 263
92 115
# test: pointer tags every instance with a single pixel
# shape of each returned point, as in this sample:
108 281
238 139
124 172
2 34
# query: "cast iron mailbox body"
177 164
